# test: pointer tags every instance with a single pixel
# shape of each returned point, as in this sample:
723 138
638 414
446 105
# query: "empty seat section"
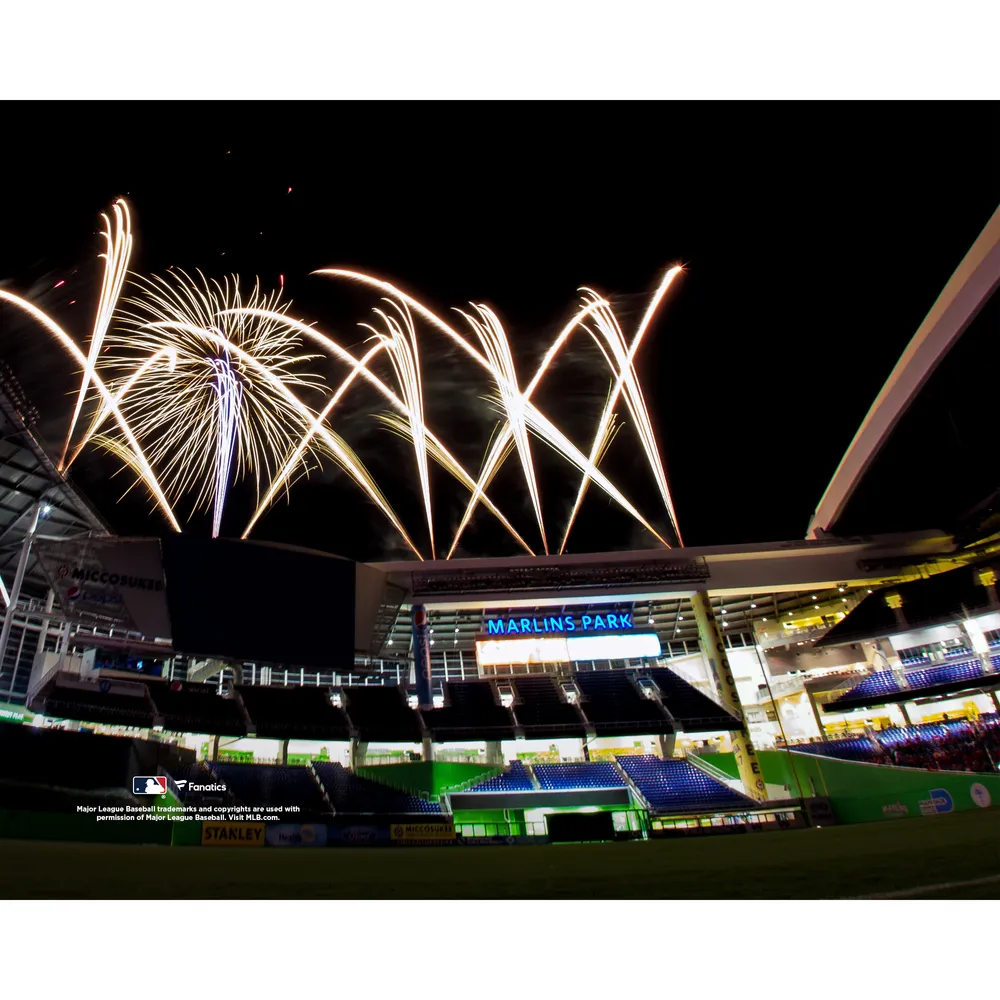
197 708
615 707
294 713
597 774
541 711
946 673
382 713
91 705
879 683
82 760
516 778
693 711
673 786
471 712
273 785
350 793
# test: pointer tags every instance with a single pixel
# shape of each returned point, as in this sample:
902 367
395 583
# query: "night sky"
815 239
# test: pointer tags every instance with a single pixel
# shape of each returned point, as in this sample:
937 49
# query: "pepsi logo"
73 592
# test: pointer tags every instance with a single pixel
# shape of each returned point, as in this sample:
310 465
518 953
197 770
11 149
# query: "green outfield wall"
863 793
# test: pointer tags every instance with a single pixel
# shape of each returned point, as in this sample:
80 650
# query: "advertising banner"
498 839
423 833
295 835
357 836
220 834
117 580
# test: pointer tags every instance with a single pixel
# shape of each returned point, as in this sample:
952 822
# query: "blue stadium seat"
675 786
596 774
517 778
350 793
273 785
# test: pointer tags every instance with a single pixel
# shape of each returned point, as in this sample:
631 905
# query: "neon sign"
560 624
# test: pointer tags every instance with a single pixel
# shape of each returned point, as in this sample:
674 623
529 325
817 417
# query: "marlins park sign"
560 624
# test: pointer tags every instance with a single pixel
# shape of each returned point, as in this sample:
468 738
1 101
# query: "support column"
494 755
714 650
427 749
667 744
906 715
15 590
816 714
213 751
422 657
976 641
283 752
996 700
359 750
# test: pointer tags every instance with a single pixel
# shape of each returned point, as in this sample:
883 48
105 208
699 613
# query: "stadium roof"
922 455
28 475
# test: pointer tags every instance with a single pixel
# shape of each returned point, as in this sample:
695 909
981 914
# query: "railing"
712 771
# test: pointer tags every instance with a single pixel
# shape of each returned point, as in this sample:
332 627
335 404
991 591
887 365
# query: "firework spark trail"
292 460
499 449
624 363
119 250
141 464
338 448
498 353
168 353
449 461
537 421
229 394
403 353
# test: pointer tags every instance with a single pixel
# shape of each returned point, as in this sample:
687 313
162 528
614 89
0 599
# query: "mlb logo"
149 784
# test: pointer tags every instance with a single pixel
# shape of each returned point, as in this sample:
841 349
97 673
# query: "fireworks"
203 384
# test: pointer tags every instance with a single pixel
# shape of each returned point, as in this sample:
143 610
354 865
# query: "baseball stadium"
807 717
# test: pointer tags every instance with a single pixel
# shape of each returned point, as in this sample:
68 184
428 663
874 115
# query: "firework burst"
218 411
202 384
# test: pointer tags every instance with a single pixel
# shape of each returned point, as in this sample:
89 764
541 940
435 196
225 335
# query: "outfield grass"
799 864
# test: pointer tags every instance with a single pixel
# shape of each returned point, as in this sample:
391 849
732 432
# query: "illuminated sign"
499 652
610 621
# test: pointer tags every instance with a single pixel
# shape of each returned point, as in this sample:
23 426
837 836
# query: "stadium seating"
693 711
382 713
957 651
597 774
294 713
471 712
674 786
517 778
858 748
541 712
92 705
197 708
273 785
881 682
947 673
897 735
82 760
350 793
614 705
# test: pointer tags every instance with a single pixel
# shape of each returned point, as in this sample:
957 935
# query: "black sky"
815 238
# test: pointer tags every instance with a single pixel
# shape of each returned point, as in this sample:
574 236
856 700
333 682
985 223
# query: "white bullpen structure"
560 649
968 289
